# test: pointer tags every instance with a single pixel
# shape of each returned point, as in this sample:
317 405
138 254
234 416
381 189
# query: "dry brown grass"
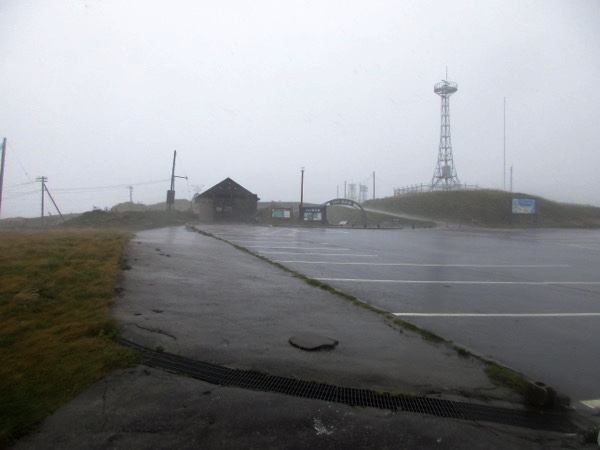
55 292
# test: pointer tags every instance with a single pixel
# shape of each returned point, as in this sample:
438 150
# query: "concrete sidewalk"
199 297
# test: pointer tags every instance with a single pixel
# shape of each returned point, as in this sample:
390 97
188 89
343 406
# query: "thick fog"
96 95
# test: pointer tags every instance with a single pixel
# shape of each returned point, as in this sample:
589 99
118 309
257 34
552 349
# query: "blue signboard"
524 206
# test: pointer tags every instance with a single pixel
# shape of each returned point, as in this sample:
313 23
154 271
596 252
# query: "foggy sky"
97 94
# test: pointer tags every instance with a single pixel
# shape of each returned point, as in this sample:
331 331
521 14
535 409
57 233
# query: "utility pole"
171 192
43 180
45 189
301 193
2 170
53 202
130 193
504 158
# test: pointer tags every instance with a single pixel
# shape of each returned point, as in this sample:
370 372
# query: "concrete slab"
145 408
224 306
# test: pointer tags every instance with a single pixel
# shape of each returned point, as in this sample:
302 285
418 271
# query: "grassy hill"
126 216
179 205
129 220
488 208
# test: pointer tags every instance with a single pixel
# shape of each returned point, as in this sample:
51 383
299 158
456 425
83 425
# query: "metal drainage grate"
225 376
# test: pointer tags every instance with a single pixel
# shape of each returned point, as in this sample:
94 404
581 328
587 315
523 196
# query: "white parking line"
578 246
317 254
268 241
297 248
430 265
534 283
497 315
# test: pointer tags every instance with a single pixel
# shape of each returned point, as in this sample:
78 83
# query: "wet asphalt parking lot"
529 299
196 297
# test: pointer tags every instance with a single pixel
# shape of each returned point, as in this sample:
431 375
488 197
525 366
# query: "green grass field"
55 291
488 208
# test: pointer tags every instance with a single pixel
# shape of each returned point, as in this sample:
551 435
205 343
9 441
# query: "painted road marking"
534 283
579 246
497 314
431 265
296 247
317 254
271 241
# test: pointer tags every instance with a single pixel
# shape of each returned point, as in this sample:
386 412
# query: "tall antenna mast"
444 176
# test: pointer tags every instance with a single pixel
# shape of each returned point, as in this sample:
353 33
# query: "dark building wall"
227 202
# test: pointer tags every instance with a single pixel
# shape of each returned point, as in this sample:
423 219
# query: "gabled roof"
229 188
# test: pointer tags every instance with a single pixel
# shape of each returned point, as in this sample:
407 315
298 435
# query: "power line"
15 152
20 184
104 188
14 195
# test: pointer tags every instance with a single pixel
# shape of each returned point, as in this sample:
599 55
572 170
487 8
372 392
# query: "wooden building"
226 202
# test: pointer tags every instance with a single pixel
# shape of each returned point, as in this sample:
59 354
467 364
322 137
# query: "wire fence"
429 188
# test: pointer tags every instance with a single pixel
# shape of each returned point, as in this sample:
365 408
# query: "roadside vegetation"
488 208
124 216
128 220
55 291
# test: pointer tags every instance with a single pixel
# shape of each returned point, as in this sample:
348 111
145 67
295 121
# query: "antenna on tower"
444 176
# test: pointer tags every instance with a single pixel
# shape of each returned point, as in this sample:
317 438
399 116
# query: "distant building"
226 202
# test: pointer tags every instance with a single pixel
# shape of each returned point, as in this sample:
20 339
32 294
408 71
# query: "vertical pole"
301 194
504 159
345 194
43 180
171 194
373 185
511 178
2 170
43 189
173 171
302 187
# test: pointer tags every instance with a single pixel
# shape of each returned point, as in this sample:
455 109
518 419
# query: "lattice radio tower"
444 176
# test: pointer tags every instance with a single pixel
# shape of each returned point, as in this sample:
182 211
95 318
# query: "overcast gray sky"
96 95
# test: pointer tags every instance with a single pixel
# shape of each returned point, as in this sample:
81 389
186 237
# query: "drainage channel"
224 376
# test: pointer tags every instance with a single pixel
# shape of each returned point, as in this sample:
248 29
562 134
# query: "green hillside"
488 208
129 220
